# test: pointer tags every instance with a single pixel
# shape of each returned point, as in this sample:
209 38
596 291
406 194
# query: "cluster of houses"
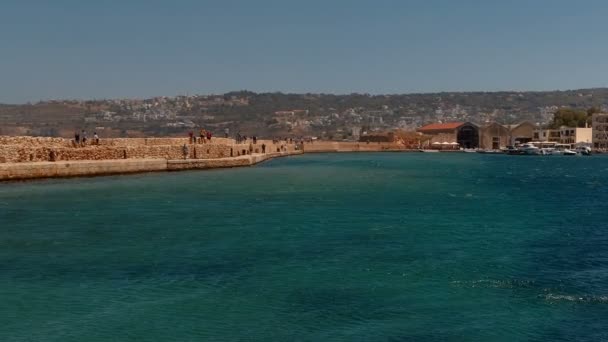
497 136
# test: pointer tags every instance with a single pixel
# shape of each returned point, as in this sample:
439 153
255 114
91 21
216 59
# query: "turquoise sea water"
330 247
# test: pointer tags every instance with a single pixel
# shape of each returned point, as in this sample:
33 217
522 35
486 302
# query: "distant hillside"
272 114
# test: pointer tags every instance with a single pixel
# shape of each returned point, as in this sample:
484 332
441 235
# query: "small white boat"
511 150
429 151
584 150
551 151
567 150
469 150
529 149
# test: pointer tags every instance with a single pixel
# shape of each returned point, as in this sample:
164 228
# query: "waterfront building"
564 135
490 136
521 133
466 134
494 136
600 131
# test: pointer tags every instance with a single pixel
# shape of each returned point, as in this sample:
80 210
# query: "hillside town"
330 117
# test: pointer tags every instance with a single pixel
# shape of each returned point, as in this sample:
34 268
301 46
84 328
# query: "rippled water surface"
333 247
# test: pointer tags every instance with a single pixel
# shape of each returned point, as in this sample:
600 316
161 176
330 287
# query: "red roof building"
436 128
466 134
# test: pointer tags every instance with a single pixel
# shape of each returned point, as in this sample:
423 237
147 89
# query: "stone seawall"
24 171
348 146
247 160
27 141
34 149
33 157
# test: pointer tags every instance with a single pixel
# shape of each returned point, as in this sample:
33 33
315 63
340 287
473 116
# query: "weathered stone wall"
246 160
34 141
157 141
21 171
347 146
32 149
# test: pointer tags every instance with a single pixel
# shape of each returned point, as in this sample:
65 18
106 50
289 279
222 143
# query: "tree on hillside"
571 117
593 110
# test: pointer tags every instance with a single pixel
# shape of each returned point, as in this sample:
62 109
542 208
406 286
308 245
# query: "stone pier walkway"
33 170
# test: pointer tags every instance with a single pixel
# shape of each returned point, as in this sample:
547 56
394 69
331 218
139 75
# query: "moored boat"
584 150
529 149
511 150
567 150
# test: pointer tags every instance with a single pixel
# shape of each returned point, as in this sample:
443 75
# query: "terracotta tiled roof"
441 126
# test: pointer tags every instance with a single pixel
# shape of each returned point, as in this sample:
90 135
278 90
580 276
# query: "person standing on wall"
226 132
202 135
185 151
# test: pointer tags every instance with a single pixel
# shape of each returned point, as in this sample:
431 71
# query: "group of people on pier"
243 139
206 135
203 138
81 139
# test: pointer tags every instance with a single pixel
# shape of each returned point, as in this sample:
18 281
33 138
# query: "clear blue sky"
141 48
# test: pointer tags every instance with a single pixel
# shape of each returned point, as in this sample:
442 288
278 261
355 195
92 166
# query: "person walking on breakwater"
95 138
202 135
191 135
226 132
209 135
76 139
84 137
255 140
185 151
263 148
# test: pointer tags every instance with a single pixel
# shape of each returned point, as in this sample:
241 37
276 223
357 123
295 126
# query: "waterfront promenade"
24 158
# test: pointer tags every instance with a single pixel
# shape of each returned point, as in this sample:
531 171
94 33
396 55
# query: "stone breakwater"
23 171
349 146
41 157
34 149
34 157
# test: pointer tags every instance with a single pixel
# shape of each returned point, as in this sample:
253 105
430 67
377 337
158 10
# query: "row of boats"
542 148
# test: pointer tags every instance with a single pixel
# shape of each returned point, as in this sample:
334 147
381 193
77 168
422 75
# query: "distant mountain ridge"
599 90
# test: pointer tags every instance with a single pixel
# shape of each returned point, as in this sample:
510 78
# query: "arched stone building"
521 133
466 134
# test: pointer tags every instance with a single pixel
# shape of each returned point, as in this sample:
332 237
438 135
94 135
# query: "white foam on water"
575 298
493 283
